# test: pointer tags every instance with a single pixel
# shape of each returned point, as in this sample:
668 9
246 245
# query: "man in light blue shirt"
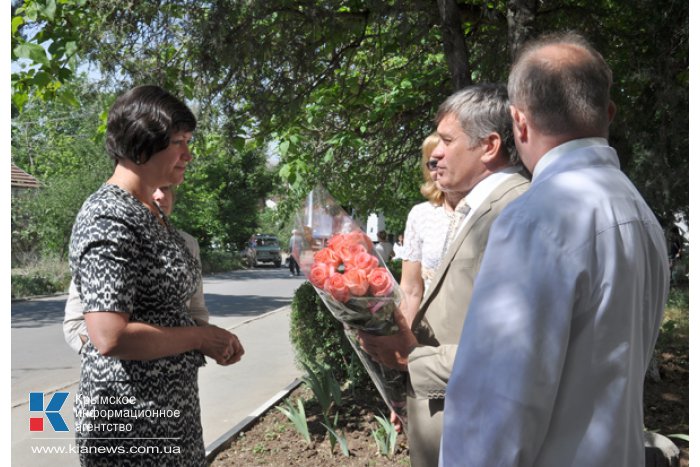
569 298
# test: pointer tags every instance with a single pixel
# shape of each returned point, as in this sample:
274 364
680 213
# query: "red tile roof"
22 179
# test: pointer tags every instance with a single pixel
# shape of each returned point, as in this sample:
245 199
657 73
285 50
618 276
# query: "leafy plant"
324 386
214 261
385 437
336 437
42 277
682 436
298 418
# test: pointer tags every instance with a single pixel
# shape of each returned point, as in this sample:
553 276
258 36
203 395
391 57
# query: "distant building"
375 224
22 181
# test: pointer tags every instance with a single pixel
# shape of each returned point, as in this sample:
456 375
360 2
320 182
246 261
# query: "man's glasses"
432 164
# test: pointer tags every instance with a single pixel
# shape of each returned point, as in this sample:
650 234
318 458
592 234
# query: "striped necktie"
461 211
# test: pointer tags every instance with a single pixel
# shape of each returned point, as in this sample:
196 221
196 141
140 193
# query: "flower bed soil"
273 441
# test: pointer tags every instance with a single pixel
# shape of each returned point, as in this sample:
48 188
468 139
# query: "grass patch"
43 277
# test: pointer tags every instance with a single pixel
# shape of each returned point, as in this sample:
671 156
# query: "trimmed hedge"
318 338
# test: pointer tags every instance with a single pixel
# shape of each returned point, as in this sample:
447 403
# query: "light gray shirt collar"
558 151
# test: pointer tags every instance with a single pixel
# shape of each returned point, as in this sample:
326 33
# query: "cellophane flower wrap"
340 261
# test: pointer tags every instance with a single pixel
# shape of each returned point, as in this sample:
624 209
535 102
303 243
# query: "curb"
224 441
36 297
255 318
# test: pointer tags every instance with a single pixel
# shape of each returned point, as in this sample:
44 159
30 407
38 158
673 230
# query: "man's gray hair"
570 95
483 109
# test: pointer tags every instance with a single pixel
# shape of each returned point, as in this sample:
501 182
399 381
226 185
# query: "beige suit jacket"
441 315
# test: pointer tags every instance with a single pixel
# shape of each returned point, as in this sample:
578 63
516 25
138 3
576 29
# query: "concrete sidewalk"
228 395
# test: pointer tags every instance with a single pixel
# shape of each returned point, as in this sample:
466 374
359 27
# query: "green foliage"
46 217
47 46
298 418
324 386
675 328
336 437
344 92
43 277
214 261
385 437
61 149
678 298
395 267
224 189
318 337
277 222
328 395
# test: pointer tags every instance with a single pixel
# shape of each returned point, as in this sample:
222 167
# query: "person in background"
74 328
475 156
425 233
384 248
134 275
295 244
567 305
398 248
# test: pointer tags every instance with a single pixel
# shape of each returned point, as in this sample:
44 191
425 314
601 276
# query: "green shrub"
41 278
214 261
319 340
675 328
395 267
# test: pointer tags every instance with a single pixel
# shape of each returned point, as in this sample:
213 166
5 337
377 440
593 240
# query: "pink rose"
359 238
319 273
351 238
381 282
347 251
363 260
335 241
327 256
356 280
335 285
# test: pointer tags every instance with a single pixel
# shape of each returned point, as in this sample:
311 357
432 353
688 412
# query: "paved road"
253 303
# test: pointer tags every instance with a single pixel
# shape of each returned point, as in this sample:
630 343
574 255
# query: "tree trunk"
456 51
521 19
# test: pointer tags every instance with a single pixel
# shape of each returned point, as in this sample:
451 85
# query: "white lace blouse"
424 237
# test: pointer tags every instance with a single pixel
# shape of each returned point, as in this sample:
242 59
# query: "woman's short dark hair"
141 122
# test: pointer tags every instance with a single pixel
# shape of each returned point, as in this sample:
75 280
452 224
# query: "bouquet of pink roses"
339 260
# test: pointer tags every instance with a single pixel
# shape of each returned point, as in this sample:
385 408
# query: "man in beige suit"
476 156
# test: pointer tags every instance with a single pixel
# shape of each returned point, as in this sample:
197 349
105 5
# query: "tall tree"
345 90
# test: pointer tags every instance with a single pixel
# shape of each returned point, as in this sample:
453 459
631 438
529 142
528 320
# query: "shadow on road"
38 313
35 314
48 311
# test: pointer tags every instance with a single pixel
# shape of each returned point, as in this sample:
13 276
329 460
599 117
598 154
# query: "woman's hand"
114 336
221 345
396 421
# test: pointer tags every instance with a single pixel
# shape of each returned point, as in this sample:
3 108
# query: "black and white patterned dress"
131 412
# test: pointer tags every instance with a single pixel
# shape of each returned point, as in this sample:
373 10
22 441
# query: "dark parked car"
263 248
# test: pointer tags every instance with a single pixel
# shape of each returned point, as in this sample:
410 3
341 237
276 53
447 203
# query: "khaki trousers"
424 430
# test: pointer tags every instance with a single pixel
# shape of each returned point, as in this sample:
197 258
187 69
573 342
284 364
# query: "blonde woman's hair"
429 188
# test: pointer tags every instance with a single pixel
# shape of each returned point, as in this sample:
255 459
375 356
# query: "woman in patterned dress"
137 402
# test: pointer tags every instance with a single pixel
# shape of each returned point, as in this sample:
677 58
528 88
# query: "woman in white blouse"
426 228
